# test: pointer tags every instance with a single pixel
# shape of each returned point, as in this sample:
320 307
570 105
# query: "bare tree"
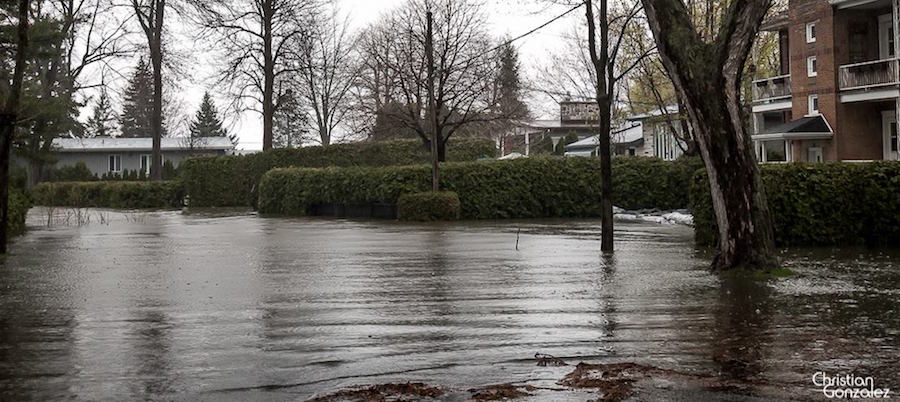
260 40
328 70
86 35
464 64
11 90
374 91
707 71
607 74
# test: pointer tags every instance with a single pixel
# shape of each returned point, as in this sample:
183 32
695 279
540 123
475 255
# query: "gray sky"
506 17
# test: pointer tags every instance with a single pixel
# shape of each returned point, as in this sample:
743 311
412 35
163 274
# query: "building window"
813 105
772 151
115 163
812 66
145 164
811 32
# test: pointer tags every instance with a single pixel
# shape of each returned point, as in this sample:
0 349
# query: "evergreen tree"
290 123
138 107
102 122
207 122
508 86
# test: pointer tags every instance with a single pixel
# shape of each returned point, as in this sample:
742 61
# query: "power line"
522 36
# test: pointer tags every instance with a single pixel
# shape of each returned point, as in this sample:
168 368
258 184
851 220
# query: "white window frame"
114 163
763 157
813 105
812 66
817 151
149 159
811 32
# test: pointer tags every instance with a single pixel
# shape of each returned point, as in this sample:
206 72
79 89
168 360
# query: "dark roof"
812 124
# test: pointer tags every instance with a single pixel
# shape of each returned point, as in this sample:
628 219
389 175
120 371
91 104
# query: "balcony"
868 75
770 89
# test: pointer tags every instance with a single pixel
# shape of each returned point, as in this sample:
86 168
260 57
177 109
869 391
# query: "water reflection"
743 316
204 306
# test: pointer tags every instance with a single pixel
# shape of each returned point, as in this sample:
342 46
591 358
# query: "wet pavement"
231 306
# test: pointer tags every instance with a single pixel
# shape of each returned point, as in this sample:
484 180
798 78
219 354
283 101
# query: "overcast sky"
506 17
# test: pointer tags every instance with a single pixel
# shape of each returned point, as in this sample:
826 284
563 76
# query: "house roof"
671 109
811 127
109 144
621 135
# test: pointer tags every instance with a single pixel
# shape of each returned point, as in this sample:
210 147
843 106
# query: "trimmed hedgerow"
819 204
229 181
642 183
19 204
428 206
523 188
110 194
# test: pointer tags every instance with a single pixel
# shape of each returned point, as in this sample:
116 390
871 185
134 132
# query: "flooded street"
168 305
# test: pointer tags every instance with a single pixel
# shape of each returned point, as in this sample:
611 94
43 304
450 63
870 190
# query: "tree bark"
156 58
707 76
437 140
268 76
8 118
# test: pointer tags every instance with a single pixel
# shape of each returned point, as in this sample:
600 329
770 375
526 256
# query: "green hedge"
820 204
120 195
523 188
428 206
230 181
651 183
19 204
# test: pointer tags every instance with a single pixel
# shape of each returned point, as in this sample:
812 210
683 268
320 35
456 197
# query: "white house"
647 134
104 155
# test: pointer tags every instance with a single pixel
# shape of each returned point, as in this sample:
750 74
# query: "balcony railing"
870 74
772 88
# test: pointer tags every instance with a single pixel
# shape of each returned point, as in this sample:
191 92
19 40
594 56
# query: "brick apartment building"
838 91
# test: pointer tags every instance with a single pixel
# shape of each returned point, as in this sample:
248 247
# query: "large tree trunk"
268 76
707 76
156 58
8 117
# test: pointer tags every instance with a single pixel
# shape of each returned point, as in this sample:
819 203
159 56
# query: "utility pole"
435 136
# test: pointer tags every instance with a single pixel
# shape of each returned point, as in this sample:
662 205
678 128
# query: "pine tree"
509 86
138 107
102 122
290 123
207 123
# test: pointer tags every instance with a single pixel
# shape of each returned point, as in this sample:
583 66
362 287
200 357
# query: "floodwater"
166 305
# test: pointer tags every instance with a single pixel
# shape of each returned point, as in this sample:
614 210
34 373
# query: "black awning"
812 127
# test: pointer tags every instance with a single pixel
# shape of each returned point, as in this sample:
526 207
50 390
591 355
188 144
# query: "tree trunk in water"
707 77
156 57
603 97
8 118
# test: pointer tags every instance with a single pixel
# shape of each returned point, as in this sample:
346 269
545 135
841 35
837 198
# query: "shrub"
642 183
19 204
522 188
233 180
76 172
111 194
820 204
428 206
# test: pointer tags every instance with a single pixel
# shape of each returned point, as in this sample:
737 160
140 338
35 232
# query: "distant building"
104 155
834 96
648 134
576 118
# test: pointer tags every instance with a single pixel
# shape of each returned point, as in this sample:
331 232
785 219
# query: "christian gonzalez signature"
849 387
